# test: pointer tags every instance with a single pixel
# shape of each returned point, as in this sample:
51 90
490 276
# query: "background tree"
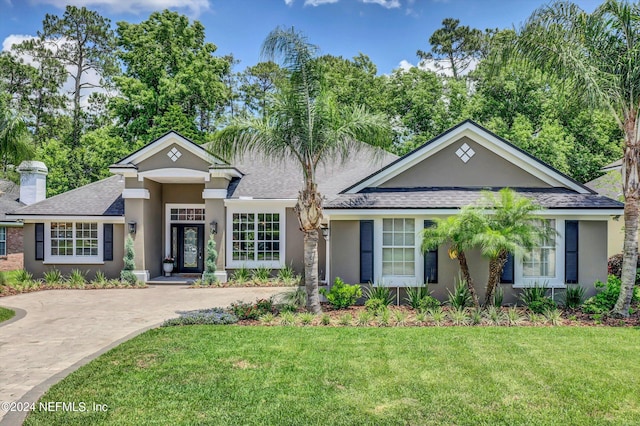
258 82
306 124
83 42
454 46
166 63
15 139
598 55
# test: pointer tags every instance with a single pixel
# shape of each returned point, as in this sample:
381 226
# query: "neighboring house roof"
101 198
482 136
448 198
9 199
609 184
616 165
282 179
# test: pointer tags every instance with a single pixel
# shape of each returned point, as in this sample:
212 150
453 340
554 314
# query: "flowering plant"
168 259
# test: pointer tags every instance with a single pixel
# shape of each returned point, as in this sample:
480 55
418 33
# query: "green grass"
363 376
6 314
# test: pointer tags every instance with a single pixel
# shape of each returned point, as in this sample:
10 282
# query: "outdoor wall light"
213 227
325 231
132 227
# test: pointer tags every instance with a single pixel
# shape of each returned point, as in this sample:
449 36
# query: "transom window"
256 236
398 247
69 239
540 262
187 214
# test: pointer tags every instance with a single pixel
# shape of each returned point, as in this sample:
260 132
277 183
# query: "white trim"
227 172
261 202
584 214
138 193
174 173
483 138
52 218
214 194
550 282
250 206
168 222
166 141
73 259
127 172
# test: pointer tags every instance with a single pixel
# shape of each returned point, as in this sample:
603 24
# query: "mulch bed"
10 291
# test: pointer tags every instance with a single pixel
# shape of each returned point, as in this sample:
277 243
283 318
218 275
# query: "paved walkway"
58 331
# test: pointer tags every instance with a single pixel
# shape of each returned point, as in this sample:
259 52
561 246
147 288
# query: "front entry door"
188 247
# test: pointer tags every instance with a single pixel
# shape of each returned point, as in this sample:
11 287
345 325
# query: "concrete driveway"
57 331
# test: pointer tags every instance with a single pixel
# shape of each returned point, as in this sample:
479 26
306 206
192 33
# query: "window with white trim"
540 262
256 237
398 247
3 241
74 239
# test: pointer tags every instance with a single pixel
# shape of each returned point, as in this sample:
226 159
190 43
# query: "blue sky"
388 31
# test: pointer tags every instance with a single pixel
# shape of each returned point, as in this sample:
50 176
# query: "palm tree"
510 226
303 122
15 139
458 231
598 55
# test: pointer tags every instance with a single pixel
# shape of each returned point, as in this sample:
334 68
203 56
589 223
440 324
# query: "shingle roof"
101 198
9 199
282 178
609 185
443 198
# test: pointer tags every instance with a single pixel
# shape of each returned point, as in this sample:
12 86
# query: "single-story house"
171 194
610 185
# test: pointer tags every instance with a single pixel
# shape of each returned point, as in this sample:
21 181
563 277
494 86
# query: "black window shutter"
571 252
507 270
107 236
366 251
430 260
39 241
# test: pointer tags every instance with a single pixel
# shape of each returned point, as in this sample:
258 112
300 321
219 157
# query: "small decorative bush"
498 297
325 319
267 318
375 305
364 318
293 300
127 275
241 275
427 303
345 319
251 311
209 275
287 318
288 276
342 295
615 265
461 296
415 296
606 298
76 279
573 296
378 297
459 316
306 318
23 276
541 306
53 276
400 317
261 275
213 316
535 298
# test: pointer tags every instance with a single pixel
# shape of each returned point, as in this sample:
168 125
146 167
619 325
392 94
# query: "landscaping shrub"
378 298
606 298
209 275
498 297
261 275
241 275
251 311
415 295
342 295
427 303
615 265
127 275
288 276
54 276
76 279
214 316
535 298
461 296
23 276
573 296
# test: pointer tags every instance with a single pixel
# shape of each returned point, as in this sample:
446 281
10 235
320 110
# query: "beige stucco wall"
484 169
153 229
161 160
110 268
592 261
294 246
215 210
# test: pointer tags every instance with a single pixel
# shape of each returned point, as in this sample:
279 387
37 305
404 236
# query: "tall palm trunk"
466 275
309 211
631 189
495 270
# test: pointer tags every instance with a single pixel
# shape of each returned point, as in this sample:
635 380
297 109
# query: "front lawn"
313 375
6 314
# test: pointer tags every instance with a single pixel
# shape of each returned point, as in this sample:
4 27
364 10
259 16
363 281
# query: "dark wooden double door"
187 247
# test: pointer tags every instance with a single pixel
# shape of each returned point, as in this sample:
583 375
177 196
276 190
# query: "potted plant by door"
167 265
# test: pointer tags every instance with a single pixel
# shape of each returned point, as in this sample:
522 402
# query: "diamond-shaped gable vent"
465 152
174 154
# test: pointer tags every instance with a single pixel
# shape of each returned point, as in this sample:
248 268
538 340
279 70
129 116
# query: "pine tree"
209 276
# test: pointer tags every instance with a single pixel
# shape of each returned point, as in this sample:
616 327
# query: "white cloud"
405 65
288 2
195 7
389 4
12 39
317 2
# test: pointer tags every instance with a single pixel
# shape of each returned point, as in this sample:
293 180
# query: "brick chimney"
33 181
